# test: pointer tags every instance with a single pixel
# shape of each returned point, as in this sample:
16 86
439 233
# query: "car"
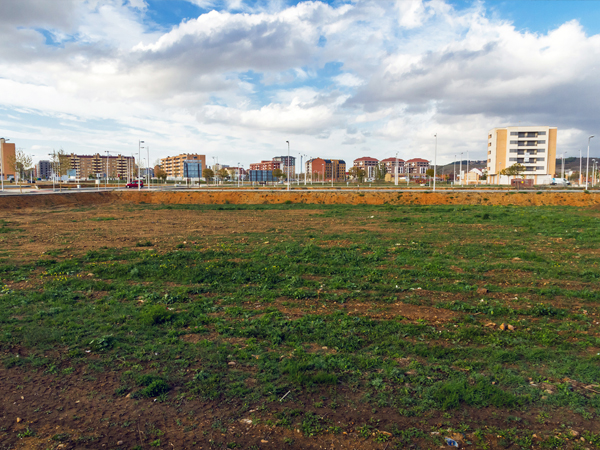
560 182
134 184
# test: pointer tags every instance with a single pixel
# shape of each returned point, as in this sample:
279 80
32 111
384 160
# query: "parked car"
134 184
560 182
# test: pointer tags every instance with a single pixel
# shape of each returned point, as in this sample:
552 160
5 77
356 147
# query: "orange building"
266 165
7 159
173 165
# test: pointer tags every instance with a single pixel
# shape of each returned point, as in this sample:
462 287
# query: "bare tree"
22 162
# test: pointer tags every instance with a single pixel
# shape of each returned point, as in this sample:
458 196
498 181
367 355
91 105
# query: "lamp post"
139 163
2 142
460 169
587 167
562 170
454 167
106 180
467 167
148 168
288 166
238 174
435 162
396 183
580 167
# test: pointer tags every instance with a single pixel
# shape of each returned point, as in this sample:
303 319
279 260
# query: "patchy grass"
505 320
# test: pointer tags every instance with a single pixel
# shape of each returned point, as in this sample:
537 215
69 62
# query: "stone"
119 442
574 433
246 421
18 419
482 291
263 441
231 363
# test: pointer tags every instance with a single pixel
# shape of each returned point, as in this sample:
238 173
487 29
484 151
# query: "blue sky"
337 79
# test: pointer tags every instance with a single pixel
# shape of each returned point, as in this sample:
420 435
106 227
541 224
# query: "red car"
134 184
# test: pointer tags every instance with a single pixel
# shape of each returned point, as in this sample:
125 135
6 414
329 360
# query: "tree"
159 173
223 173
208 174
278 173
380 171
514 170
429 172
21 162
357 173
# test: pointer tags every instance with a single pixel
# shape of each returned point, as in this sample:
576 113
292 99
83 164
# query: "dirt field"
79 408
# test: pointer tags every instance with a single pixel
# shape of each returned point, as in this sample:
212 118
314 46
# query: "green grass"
141 307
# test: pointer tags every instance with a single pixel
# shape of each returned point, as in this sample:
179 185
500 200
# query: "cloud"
376 74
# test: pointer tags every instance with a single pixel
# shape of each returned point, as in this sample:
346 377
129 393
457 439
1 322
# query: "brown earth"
267 196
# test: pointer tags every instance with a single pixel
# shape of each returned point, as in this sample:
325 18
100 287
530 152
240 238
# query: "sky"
236 80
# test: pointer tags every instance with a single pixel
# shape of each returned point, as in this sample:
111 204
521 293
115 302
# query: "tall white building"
534 147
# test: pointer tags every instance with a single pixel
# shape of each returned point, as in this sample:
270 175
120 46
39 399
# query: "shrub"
155 315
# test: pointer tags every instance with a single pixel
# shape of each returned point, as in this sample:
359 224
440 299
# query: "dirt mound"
254 197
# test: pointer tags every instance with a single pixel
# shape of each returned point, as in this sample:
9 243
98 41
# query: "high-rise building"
43 169
534 147
173 165
7 159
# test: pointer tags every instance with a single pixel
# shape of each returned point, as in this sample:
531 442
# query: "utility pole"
460 170
288 166
139 163
580 167
454 177
148 168
396 183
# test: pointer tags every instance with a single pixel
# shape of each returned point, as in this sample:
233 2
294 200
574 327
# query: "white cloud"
375 74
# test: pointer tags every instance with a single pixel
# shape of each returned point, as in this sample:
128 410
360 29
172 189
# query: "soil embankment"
254 197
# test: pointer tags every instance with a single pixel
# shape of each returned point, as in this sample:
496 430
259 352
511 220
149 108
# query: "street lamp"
587 167
435 162
2 142
460 169
288 166
454 176
238 174
139 164
396 183
580 167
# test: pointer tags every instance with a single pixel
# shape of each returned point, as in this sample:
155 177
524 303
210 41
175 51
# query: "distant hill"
571 163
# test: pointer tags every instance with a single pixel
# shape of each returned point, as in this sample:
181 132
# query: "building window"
514 133
514 142
540 167
541 142
512 159
542 133
513 150
540 159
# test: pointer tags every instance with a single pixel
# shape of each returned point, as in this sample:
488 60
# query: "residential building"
417 166
319 169
98 165
43 169
368 164
287 163
173 165
7 159
390 165
266 165
532 146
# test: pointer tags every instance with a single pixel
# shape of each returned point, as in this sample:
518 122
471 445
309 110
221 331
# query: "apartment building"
368 164
100 165
534 147
326 169
417 166
174 167
43 169
287 162
390 165
267 165
7 158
